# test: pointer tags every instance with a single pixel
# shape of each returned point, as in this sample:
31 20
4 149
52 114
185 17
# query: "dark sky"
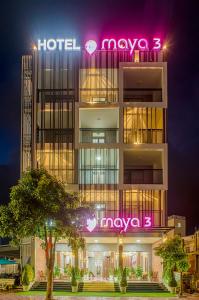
22 22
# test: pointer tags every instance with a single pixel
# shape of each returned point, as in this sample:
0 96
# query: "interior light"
98 157
138 241
120 241
164 47
34 47
96 241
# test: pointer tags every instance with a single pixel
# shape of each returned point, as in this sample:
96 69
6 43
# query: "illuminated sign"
58 44
127 44
118 223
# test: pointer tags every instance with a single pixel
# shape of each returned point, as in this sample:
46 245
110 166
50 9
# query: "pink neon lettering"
143 44
122 44
132 46
147 222
157 43
135 222
118 223
109 41
126 223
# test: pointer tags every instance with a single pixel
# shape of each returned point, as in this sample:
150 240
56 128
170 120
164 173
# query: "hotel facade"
97 120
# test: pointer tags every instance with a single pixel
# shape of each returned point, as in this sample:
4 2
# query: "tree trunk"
121 256
181 285
50 260
49 290
76 258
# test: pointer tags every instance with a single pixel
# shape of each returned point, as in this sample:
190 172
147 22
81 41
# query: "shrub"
172 282
56 271
138 272
123 282
28 275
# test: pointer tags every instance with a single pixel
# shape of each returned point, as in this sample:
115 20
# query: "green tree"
39 206
174 258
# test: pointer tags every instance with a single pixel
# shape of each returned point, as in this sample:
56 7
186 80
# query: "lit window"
179 225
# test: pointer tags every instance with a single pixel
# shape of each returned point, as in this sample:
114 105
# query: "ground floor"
100 259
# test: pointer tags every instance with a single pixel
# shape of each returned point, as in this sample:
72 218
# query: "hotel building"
98 122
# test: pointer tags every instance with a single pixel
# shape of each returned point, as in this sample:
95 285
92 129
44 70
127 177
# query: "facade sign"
118 223
58 44
127 44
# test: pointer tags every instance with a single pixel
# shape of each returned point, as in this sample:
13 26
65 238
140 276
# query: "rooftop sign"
126 44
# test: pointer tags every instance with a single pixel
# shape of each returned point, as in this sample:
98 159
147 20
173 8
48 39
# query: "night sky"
177 22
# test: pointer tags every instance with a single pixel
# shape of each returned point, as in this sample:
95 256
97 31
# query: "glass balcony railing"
144 136
143 176
98 176
142 95
99 136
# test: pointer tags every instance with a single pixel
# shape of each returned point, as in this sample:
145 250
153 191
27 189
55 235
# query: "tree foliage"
174 258
40 206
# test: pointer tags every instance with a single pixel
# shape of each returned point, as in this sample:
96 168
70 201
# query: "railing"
99 135
144 136
98 176
55 135
142 95
143 176
99 95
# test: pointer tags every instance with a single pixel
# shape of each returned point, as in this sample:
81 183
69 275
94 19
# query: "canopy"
4 261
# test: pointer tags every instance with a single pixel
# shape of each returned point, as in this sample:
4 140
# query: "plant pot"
172 289
123 289
74 289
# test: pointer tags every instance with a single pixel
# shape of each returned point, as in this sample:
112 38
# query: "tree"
174 258
39 206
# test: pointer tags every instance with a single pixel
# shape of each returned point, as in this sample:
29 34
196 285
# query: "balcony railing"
143 176
142 95
98 176
54 135
144 136
99 135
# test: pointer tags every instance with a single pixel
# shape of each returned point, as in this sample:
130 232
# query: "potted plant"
139 273
74 283
150 275
123 282
57 272
27 277
172 284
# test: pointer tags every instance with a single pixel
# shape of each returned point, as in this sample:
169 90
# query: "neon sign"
58 44
124 44
119 223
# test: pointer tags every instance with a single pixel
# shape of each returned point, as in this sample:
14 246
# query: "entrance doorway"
100 264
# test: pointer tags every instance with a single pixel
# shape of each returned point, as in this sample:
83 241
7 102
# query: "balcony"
54 135
98 176
99 136
142 95
143 136
143 176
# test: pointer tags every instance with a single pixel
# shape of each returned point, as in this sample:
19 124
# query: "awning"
4 261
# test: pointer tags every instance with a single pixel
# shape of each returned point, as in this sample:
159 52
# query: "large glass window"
98 85
143 125
98 166
59 161
145 203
